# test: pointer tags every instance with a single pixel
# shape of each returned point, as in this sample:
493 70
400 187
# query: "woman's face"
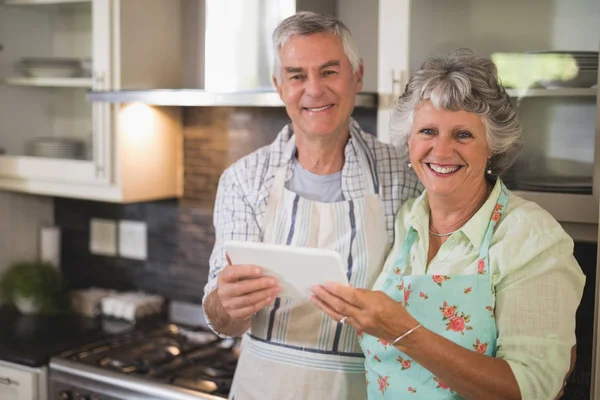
448 150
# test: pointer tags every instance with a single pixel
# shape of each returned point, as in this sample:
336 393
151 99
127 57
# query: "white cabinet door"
393 58
45 107
17 384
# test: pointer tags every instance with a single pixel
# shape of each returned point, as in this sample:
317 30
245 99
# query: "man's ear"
360 74
277 85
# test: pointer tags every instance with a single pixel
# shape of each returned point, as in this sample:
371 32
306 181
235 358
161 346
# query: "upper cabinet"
558 167
54 142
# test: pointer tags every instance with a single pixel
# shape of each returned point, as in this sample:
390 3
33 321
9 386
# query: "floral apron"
457 307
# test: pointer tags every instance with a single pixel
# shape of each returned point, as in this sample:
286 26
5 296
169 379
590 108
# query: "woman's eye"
427 131
464 135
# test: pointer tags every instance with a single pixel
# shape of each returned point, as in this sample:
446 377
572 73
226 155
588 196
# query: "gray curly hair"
306 23
462 81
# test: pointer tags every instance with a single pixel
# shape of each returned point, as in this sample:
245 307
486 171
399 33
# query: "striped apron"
293 350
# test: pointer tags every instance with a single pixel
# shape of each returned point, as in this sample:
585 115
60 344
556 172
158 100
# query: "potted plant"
33 287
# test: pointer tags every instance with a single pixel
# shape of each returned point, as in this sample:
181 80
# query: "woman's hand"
368 311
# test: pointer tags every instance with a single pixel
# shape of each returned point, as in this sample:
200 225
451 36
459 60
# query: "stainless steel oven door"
69 380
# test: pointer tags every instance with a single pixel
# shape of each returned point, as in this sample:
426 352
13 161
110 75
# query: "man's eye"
296 77
329 72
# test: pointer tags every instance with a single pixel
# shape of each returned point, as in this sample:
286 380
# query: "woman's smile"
443 169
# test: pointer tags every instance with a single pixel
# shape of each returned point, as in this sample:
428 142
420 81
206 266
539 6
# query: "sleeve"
234 219
536 304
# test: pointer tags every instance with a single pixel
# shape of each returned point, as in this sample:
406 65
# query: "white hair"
307 23
462 81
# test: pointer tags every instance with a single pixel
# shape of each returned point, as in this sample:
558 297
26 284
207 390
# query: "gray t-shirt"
322 188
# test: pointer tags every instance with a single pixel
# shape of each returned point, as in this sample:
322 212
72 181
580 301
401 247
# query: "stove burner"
123 366
200 385
197 360
216 372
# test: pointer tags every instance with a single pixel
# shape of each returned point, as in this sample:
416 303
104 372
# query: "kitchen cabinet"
22 383
52 141
559 124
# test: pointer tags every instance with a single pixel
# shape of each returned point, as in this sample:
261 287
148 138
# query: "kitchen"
132 199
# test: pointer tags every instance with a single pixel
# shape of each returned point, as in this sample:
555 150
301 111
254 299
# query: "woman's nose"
442 146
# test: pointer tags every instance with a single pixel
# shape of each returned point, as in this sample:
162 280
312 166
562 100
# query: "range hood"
227 56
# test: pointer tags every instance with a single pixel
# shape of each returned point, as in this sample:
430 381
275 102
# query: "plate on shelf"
55 147
53 67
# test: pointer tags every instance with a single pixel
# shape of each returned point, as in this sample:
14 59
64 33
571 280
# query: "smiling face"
448 150
317 85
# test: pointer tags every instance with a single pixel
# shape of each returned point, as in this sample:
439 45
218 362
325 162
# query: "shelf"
562 92
50 82
200 98
39 2
565 207
587 233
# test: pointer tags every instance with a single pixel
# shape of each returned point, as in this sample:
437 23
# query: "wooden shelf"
50 82
565 207
40 2
562 92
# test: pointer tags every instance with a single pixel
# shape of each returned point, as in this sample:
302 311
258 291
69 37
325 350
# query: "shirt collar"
286 133
474 229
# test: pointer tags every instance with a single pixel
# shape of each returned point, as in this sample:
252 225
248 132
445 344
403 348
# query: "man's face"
317 84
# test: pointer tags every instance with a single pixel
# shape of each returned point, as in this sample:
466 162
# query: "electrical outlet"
133 240
103 237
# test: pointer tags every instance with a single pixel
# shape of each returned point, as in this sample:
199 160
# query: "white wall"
361 17
21 217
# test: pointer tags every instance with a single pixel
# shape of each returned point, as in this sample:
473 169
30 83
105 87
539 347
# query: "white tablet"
296 269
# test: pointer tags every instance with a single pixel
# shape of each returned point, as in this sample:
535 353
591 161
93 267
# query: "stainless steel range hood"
227 55
202 98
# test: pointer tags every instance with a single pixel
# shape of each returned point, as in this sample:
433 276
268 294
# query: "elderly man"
322 183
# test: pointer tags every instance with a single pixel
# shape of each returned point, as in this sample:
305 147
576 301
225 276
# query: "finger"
242 288
334 302
349 294
252 299
233 273
228 259
326 308
248 312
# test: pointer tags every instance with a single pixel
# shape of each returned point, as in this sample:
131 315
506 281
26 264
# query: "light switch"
133 240
103 237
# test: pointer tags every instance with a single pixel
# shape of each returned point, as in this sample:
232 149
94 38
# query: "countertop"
32 340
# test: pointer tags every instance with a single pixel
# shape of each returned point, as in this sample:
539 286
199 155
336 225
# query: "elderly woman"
477 299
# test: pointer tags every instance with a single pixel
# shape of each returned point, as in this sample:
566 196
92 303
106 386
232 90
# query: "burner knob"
65 395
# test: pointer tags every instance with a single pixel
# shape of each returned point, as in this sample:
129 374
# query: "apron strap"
497 214
277 190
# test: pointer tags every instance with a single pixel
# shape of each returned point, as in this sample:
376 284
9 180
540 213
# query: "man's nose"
314 86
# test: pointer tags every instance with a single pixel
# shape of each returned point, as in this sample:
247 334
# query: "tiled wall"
180 232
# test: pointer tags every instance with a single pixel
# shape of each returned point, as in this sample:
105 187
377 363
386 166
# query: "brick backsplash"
180 231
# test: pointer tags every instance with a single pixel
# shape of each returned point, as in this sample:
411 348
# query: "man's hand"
243 291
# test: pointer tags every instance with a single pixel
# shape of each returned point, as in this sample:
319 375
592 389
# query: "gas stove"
169 362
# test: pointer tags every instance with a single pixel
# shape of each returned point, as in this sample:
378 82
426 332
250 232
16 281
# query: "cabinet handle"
399 81
99 81
8 382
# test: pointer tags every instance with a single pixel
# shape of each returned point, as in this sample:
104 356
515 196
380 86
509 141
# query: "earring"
489 166
409 164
